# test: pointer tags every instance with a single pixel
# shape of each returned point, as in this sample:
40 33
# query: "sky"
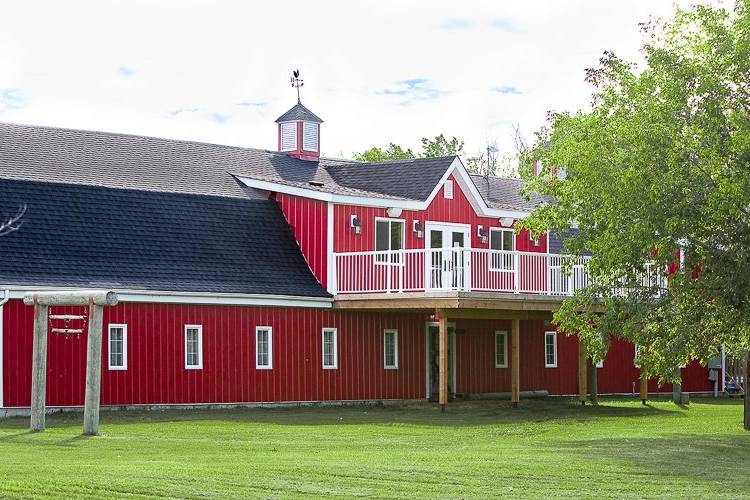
374 71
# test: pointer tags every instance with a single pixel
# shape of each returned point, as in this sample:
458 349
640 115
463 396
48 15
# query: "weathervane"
297 83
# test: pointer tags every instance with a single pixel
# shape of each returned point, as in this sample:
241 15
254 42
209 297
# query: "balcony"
458 270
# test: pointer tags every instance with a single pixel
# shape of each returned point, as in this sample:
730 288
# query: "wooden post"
593 383
39 368
443 360
676 388
582 362
515 372
93 370
644 388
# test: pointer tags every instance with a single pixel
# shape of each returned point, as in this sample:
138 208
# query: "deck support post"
582 362
443 359
515 372
644 387
39 368
93 370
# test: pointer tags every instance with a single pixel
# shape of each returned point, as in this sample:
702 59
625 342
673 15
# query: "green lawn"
474 450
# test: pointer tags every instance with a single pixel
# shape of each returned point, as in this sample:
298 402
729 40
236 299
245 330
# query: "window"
309 136
193 347
117 339
448 190
636 355
504 240
289 136
501 349
263 348
550 349
389 235
600 364
330 349
390 349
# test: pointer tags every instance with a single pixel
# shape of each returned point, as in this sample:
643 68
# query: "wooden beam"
443 359
499 314
644 388
515 373
582 362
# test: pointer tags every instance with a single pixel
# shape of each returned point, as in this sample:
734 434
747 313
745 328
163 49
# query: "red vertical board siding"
156 372
308 220
456 210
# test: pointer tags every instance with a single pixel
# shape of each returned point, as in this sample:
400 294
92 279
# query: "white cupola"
299 133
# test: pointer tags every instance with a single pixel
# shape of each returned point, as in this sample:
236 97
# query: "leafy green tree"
660 162
440 146
392 152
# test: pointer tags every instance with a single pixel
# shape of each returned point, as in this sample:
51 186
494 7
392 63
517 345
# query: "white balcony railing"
458 269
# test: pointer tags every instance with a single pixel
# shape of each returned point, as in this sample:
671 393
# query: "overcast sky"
376 72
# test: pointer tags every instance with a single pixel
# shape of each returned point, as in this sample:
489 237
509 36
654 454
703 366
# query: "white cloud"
219 71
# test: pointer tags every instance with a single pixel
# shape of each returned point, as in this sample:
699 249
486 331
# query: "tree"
658 184
392 152
13 222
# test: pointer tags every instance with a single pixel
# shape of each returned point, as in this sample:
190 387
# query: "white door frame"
452 349
445 227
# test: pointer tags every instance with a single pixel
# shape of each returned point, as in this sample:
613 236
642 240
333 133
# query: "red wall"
156 372
457 210
309 222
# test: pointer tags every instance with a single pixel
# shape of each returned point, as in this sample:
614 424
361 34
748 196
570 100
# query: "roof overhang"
456 169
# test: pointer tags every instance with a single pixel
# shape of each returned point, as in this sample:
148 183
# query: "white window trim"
635 356
269 366
554 344
199 366
448 190
504 333
395 349
600 364
378 262
335 364
124 347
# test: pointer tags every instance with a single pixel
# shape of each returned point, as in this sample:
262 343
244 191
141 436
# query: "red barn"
249 276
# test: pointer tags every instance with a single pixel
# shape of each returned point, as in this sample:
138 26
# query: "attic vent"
309 136
316 183
288 136
448 190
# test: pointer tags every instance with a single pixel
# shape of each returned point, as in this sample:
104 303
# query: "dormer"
299 133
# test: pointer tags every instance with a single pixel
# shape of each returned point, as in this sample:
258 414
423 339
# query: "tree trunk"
677 388
747 396
593 388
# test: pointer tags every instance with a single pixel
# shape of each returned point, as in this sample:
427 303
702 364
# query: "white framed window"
390 349
550 349
636 355
330 349
263 347
389 235
117 342
600 364
448 190
504 240
310 136
501 349
193 347
289 136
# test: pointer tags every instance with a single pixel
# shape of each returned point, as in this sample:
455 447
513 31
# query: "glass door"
447 263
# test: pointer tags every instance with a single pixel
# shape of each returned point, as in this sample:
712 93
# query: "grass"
474 450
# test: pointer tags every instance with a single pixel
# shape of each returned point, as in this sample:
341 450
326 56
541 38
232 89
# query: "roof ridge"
140 136
503 177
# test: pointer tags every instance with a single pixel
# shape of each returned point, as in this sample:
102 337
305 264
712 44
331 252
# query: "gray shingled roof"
299 112
147 163
92 236
505 193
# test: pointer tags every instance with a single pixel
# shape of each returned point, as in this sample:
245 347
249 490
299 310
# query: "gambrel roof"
95 237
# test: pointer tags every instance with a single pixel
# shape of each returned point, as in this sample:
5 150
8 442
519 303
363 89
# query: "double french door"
447 265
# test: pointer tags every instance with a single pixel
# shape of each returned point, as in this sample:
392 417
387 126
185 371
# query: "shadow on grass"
459 413
724 459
